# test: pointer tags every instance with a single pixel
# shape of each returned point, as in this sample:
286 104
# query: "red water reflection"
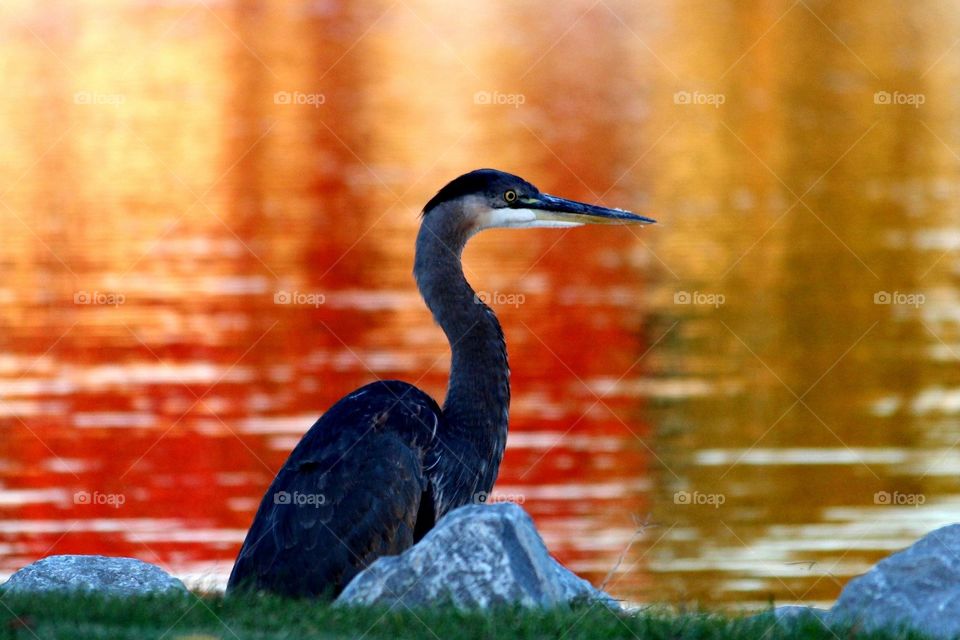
153 379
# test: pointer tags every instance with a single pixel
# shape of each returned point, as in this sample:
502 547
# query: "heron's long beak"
554 209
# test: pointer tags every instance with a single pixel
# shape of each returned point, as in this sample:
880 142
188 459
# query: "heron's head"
489 199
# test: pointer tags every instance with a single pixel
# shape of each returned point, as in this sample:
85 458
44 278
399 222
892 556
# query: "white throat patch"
507 218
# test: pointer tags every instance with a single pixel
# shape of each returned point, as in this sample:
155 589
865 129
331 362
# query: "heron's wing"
349 493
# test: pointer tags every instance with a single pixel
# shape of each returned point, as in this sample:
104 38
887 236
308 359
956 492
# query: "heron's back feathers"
350 492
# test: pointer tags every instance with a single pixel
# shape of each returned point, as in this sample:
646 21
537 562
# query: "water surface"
756 399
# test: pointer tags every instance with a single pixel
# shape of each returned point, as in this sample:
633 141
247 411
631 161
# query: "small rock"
477 556
918 588
114 576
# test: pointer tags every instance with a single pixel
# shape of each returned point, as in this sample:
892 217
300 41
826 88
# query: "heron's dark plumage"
479 181
350 492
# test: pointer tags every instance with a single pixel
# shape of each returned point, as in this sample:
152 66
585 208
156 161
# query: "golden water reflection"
759 395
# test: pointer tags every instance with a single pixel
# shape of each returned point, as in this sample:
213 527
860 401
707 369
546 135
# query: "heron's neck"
478 394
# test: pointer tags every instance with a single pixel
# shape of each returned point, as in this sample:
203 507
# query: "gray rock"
114 576
476 557
918 588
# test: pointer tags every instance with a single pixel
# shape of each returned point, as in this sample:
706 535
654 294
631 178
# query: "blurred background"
208 213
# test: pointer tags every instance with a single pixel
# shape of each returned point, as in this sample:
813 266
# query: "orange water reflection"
151 161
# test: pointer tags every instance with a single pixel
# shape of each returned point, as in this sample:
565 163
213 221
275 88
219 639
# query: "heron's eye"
510 195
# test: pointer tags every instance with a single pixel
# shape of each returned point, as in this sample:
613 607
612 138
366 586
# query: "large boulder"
113 576
918 588
476 557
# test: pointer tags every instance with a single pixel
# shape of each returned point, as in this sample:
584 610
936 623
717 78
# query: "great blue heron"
378 469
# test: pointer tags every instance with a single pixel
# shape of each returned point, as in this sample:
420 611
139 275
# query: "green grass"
85 616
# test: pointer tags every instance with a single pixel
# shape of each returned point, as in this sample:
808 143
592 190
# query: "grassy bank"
191 617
